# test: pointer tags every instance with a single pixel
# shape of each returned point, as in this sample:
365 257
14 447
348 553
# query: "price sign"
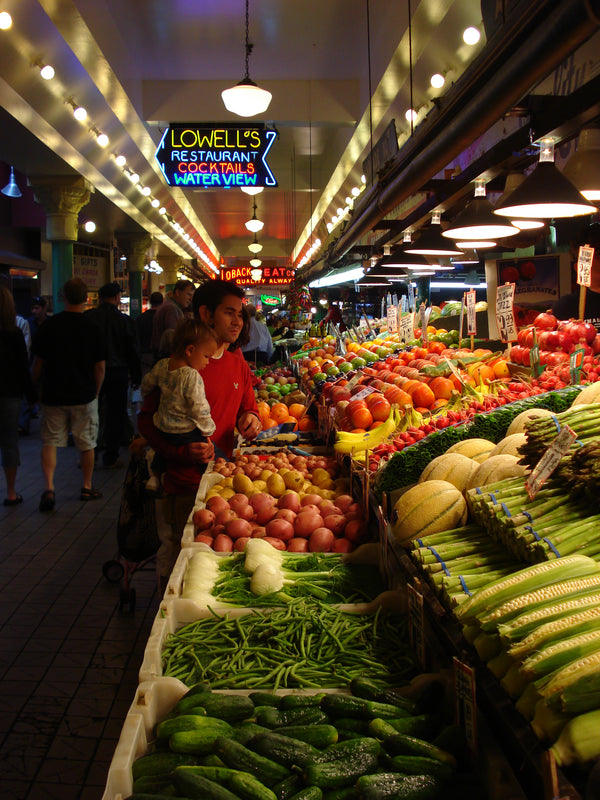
575 364
403 303
416 624
584 265
534 359
353 381
550 460
505 317
469 299
362 393
466 701
392 319
411 297
424 319
406 329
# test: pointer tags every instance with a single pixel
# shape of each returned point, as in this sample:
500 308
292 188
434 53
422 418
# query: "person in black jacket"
143 325
122 363
568 305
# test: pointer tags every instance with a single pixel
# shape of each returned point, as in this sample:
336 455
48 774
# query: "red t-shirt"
228 387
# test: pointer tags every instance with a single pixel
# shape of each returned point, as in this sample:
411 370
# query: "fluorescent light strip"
342 277
456 285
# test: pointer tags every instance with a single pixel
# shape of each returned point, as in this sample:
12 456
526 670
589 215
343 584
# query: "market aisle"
69 658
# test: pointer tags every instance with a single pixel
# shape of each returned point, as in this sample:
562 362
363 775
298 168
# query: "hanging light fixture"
431 242
545 193
478 221
254 225
514 179
11 189
255 247
252 189
246 99
583 168
256 272
368 280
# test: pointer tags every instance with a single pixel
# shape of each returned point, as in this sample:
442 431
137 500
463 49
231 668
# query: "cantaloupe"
477 449
509 445
518 423
591 394
428 507
497 468
451 467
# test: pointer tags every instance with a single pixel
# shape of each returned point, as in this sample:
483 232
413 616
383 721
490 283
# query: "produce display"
371 742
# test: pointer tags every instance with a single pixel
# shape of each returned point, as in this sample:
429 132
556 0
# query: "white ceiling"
138 64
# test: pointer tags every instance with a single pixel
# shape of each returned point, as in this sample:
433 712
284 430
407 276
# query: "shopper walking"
69 363
260 346
15 384
39 313
122 363
143 326
168 315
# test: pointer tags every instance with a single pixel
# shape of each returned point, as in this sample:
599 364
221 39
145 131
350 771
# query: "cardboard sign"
466 701
469 299
406 329
411 297
550 460
584 265
392 319
505 317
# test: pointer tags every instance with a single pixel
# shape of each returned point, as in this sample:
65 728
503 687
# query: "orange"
269 422
422 396
442 388
306 424
484 373
501 369
264 410
296 410
279 412
361 418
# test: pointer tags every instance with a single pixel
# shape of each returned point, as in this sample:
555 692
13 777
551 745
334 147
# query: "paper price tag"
416 624
423 321
575 364
534 358
505 317
465 694
406 329
454 371
469 300
584 265
411 297
353 381
550 460
392 319
362 393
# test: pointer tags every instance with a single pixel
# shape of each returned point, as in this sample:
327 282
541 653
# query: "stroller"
137 535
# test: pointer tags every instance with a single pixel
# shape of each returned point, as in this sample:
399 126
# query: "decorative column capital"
135 246
63 197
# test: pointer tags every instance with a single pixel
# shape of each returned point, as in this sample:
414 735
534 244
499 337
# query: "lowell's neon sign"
213 156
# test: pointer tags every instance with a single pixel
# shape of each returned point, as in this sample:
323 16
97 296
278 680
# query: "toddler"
183 414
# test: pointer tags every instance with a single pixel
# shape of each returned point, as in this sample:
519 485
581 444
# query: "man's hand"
249 425
202 451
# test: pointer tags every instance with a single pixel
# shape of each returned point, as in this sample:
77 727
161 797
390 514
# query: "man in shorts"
69 362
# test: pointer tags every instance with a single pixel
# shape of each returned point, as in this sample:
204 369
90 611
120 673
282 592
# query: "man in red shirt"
228 387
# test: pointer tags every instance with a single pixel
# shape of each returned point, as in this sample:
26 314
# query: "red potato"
238 499
258 533
215 530
240 544
245 512
321 540
297 545
344 501
261 499
225 516
217 503
311 499
351 515
286 513
280 529
236 528
310 508
290 500
327 507
336 523
278 544
355 530
205 538
223 544
342 545
265 514
203 518
306 522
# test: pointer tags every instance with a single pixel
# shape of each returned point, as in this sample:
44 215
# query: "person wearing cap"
39 314
122 364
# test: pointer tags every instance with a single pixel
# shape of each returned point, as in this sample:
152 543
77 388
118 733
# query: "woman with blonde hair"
15 383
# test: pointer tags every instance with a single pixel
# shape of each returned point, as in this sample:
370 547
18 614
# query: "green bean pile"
306 644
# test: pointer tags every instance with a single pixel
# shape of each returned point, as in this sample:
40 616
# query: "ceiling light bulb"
79 113
254 225
251 190
134 177
5 20
471 35
146 191
162 210
246 99
474 244
47 72
437 80
255 262
410 115
102 139
255 247
120 161
89 226
527 224
155 203
355 191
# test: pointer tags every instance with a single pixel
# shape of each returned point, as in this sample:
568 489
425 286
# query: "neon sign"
270 300
272 276
216 156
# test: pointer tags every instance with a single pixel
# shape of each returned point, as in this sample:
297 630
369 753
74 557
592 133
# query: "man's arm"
184 454
99 371
248 421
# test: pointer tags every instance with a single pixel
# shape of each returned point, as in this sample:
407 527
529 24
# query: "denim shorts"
82 421
9 430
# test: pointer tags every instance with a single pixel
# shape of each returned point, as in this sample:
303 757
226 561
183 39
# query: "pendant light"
514 179
583 168
246 99
255 247
254 225
11 189
368 280
545 193
431 242
478 221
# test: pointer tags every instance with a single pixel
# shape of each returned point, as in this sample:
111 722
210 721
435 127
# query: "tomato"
361 417
380 409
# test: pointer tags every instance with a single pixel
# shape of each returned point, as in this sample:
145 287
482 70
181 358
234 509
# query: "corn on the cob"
546 723
527 701
575 688
579 741
525 580
572 625
525 624
514 682
559 654
546 595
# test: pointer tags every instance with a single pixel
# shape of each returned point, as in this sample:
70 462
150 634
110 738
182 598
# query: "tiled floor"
69 657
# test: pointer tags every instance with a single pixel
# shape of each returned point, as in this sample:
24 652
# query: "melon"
497 468
591 394
451 467
428 507
509 445
518 423
477 449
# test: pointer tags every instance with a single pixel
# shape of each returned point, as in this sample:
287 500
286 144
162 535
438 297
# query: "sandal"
90 494
13 501
47 500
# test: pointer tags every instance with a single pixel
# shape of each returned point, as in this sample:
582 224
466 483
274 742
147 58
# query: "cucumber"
247 787
194 786
421 726
340 773
236 756
309 793
159 763
345 736
200 741
339 705
153 795
265 699
404 745
319 736
217 774
287 788
395 786
191 698
183 722
244 731
276 718
154 784
347 793
284 750
360 726
300 700
230 707
353 749
369 690
421 765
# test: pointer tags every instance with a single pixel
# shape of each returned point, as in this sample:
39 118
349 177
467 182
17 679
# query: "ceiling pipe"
555 35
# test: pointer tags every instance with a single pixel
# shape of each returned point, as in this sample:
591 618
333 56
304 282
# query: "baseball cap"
109 290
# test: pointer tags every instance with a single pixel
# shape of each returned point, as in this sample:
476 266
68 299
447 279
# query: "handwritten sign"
471 315
411 297
584 265
466 701
406 330
550 460
505 317
392 319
